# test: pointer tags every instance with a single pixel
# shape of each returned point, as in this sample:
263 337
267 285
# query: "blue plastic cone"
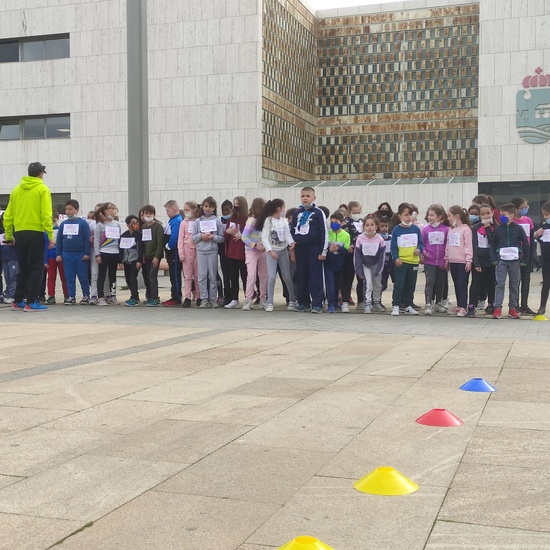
478 385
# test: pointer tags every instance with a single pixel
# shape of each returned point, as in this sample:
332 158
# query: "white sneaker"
360 306
102 302
204 304
8 300
440 309
481 304
428 310
410 311
367 309
247 305
395 310
446 304
214 304
345 307
269 307
291 306
234 304
263 305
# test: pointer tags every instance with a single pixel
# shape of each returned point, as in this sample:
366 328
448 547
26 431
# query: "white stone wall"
90 85
514 41
204 96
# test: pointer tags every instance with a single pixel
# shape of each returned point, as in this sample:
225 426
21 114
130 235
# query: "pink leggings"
256 263
191 273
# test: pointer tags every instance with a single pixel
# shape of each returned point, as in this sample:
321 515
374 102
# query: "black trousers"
131 274
174 270
236 268
545 282
107 267
226 293
483 284
525 284
31 265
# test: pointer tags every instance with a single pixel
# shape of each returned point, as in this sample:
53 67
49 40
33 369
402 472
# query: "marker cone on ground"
439 417
540 318
305 543
386 481
478 385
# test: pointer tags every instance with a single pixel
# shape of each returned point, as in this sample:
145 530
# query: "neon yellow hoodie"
29 209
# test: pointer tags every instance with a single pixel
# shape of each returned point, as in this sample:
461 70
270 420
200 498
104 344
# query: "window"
56 46
35 127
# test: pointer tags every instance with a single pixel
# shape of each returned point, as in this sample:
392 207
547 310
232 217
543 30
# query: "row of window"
54 46
35 127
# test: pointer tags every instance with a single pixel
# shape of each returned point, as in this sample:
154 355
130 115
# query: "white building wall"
90 85
205 97
514 41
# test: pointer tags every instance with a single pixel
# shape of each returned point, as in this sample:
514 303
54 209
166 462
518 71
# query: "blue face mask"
474 218
384 235
226 217
548 220
504 220
335 226
307 207
523 211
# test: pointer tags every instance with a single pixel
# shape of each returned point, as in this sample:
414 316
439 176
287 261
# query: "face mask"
188 214
110 217
208 214
236 209
487 220
369 233
474 218
523 211
384 235
335 226
504 220
73 217
226 217
435 224
148 219
307 207
405 224
547 221
356 217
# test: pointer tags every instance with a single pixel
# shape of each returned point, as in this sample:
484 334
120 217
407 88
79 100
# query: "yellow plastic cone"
540 318
305 543
386 481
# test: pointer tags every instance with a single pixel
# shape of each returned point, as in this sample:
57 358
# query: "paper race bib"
388 246
303 229
370 249
112 232
482 241
407 241
281 234
146 235
358 226
509 253
127 242
55 233
436 237
208 226
526 228
70 228
545 237
455 239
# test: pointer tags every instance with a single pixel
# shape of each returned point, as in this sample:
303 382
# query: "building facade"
402 101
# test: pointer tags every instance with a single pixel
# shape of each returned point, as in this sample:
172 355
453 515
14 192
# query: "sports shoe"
345 307
299 308
85 301
247 305
418 308
471 312
367 309
497 313
69 301
410 311
198 303
234 304
269 307
360 306
526 311
131 303
93 301
35 306
395 310
113 301
153 302
481 304
330 309
263 304
489 310
446 304
186 303
51 300
461 312
214 304
18 306
203 304
8 300
440 309
171 303
103 302
453 310
378 308
351 302
383 306
428 310
541 311
291 306
513 313
316 309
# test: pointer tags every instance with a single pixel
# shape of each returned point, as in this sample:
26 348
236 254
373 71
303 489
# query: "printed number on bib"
407 241
370 249
436 237
455 239
146 235
127 242
70 229
112 232
509 253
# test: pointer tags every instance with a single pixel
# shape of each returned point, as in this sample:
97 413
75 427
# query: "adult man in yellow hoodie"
27 217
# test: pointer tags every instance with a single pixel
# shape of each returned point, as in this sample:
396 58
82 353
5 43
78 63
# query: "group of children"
316 254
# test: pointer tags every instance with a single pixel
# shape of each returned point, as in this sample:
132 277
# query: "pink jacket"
185 239
460 246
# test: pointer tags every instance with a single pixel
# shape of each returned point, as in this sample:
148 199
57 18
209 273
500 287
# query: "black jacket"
510 235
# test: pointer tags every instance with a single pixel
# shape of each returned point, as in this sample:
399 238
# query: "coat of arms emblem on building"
533 108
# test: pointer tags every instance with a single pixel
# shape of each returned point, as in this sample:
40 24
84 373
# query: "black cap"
36 168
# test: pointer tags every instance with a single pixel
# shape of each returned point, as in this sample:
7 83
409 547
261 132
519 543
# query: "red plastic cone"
439 417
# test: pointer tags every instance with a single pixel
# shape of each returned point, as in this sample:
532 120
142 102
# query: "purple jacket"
434 254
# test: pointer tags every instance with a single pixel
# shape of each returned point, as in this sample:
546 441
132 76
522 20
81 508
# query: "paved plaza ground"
158 428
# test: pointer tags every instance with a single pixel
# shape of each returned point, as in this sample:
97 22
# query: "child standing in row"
187 250
106 240
338 246
459 254
129 258
387 270
369 257
543 236
152 245
234 249
54 266
353 224
171 231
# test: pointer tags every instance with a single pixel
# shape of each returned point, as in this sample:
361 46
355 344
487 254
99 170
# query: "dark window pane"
9 51
58 127
33 128
57 49
9 129
33 51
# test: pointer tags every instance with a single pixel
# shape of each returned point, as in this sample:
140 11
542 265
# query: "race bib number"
436 237
70 229
455 239
146 235
127 242
112 232
208 226
509 253
407 241
370 249
482 241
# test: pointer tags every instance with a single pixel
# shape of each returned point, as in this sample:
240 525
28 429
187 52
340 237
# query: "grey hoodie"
208 247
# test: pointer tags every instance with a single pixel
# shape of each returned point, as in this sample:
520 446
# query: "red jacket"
234 249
